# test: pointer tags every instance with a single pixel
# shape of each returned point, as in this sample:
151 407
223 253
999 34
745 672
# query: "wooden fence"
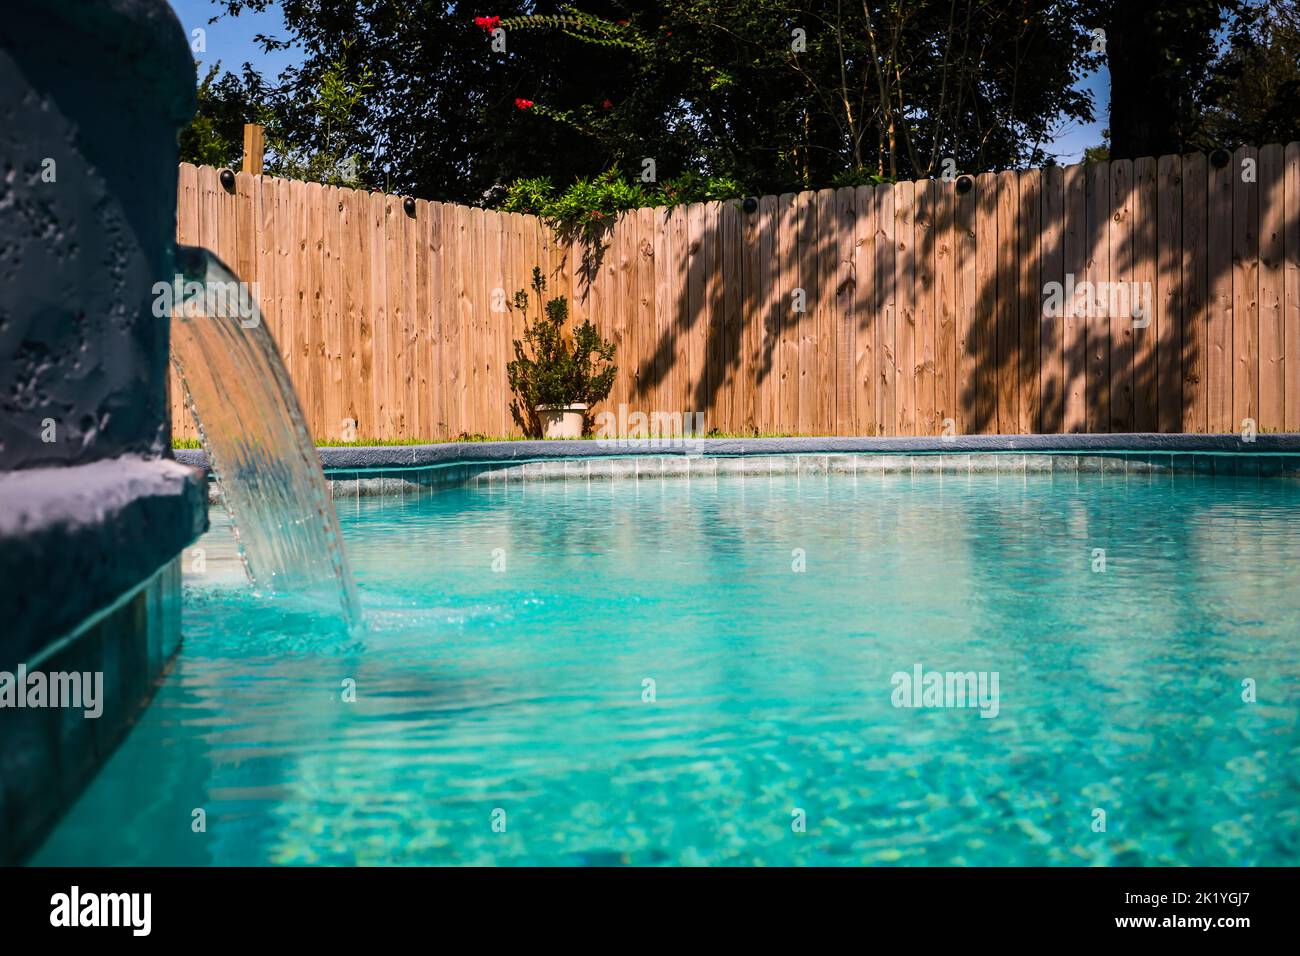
901 309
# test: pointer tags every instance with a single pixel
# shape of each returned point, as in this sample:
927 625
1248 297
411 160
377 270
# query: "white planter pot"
561 421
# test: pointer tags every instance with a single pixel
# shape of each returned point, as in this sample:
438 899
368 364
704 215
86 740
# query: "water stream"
255 436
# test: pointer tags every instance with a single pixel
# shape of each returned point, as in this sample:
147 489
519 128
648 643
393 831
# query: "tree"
774 95
319 138
1258 80
439 117
1162 56
215 137
792 95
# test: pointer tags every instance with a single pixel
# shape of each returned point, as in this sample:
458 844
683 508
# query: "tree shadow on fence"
1150 248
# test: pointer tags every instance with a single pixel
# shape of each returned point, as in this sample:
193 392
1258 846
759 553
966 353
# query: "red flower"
488 24
607 104
523 104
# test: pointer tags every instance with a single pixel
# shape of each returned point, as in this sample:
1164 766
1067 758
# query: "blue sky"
1072 140
230 40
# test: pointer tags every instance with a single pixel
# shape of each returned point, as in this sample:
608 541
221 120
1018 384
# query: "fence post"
253 149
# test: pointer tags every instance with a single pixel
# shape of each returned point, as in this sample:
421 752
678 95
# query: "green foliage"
215 137
581 26
885 90
882 88
556 373
1258 83
691 186
712 86
588 207
333 153
1099 153
859 177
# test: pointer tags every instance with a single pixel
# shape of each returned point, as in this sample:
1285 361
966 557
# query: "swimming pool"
504 713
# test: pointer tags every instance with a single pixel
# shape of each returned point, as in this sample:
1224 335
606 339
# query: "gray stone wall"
92 95
92 510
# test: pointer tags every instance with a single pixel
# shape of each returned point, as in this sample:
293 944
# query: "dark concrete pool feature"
403 469
93 510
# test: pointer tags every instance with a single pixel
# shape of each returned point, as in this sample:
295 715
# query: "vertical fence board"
1218 335
696 323
808 293
967 299
1029 302
314 295
421 334
332 338
355 317
731 364
1114 300
905 308
658 364
751 317
395 228
1052 324
647 392
187 233
923 305
1094 306
1291 284
886 342
844 242
1142 303
435 325
864 314
1168 319
1272 355
822 247
1195 295
679 221
1245 287
1008 296
982 340
945 316
713 284
1074 319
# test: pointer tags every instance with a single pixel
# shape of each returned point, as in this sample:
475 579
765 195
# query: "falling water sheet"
254 433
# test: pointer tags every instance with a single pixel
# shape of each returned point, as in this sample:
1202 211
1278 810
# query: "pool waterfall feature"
255 437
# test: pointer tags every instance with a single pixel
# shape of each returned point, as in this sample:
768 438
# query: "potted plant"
556 382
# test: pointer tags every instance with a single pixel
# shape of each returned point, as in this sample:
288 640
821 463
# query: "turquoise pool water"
520 687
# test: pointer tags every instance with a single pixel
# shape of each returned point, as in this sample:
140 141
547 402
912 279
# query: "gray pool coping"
74 539
368 457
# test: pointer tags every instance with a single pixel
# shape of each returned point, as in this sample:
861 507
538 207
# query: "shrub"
556 373
588 207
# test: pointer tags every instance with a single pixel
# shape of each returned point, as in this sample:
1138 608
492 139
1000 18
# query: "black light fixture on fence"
227 178
965 184
750 204
409 205
1220 158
